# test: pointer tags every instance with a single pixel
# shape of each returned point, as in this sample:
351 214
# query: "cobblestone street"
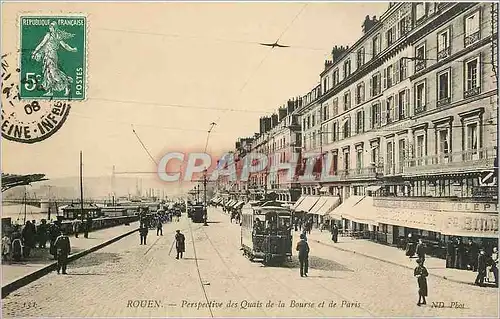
127 279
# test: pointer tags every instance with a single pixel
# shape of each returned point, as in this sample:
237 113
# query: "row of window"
398 71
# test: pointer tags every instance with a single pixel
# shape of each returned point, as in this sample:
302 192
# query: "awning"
331 203
363 212
317 207
408 217
297 203
238 205
345 208
307 204
231 202
373 188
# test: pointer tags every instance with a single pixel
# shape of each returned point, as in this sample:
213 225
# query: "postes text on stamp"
52 57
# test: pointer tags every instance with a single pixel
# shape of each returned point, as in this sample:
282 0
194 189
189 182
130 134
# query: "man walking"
303 249
421 250
159 227
335 232
180 243
143 232
63 249
481 268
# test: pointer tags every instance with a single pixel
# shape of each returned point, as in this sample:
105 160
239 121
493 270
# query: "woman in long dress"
421 274
54 79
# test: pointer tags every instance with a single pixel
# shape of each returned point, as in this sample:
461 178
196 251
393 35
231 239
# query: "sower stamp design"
52 72
53 57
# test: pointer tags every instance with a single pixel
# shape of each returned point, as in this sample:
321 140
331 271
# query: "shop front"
437 221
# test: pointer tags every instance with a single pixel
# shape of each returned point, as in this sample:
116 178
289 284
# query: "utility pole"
81 184
205 208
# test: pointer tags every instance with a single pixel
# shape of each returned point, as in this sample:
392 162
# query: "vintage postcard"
249 159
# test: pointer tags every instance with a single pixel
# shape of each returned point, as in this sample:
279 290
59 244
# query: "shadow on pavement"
95 259
85 274
316 263
192 259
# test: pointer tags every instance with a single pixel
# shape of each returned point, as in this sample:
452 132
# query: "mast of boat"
25 204
81 184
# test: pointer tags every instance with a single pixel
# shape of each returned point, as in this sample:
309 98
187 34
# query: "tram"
198 213
266 232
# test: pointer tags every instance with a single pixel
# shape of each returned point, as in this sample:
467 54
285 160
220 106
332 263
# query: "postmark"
44 77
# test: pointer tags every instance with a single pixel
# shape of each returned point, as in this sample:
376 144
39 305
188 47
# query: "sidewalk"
41 258
392 255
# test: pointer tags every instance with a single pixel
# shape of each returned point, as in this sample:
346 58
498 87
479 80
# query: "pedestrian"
421 273
63 248
420 250
472 254
28 236
54 232
481 268
143 233
450 254
159 227
180 243
303 249
76 227
335 233
6 245
17 247
42 231
494 264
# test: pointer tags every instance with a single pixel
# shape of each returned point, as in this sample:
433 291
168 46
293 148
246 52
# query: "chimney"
262 125
337 52
282 113
238 144
267 124
289 106
274 120
369 23
328 63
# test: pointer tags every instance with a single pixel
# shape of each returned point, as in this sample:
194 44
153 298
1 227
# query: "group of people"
303 223
474 257
23 239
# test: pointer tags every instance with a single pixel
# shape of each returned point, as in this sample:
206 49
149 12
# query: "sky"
202 58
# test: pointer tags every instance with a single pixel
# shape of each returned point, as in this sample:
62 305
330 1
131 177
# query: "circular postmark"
27 120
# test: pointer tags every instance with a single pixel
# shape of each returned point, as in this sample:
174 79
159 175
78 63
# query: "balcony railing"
444 53
356 173
471 92
443 101
419 65
470 160
472 38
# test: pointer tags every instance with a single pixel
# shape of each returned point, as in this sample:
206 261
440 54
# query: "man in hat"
421 273
303 249
63 248
180 243
481 267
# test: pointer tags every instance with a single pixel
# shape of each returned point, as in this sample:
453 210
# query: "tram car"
266 232
198 214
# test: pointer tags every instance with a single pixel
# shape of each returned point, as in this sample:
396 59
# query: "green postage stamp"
53 57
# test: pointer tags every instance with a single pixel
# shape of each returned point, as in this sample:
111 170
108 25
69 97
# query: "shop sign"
408 218
475 224
439 206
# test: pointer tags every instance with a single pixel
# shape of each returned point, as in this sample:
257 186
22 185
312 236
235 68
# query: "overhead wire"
144 146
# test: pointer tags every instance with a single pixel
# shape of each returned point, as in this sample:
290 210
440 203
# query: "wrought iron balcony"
444 53
472 92
419 64
443 101
472 38
456 162
372 172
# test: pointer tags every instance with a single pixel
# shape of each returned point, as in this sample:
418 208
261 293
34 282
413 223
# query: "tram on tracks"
266 232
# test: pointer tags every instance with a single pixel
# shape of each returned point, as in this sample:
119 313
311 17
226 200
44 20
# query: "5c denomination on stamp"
51 73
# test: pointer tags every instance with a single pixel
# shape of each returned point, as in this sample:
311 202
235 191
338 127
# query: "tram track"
315 282
233 275
198 271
